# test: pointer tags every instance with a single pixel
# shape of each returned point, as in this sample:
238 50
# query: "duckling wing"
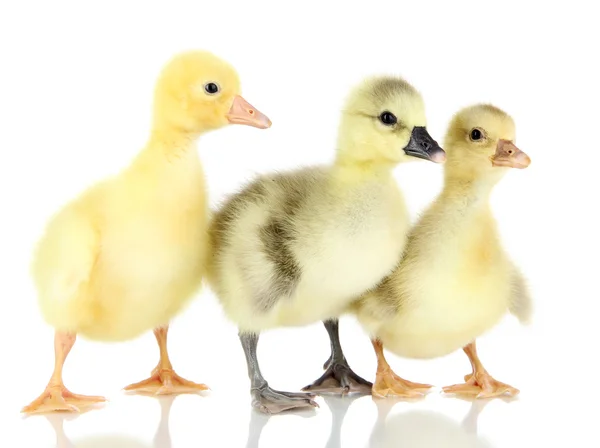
521 304
254 233
62 266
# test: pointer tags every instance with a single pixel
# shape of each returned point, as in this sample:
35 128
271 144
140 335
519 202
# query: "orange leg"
388 383
480 383
56 397
164 380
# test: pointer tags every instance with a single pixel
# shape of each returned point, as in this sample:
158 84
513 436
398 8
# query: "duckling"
127 254
454 281
295 248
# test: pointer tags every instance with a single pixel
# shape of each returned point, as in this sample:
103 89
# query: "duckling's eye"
211 88
476 134
388 118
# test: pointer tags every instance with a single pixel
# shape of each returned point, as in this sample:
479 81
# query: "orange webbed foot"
166 382
481 385
387 383
60 399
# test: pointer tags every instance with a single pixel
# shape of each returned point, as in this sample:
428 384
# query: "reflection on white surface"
57 422
424 429
258 421
162 438
337 405
339 408
411 429
340 422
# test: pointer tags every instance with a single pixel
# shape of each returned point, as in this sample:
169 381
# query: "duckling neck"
173 144
349 169
169 160
472 190
168 147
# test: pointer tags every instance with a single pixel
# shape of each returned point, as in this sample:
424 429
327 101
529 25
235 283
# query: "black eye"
388 118
476 134
211 88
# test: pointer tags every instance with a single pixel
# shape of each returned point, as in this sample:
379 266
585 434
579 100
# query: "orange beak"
242 112
508 155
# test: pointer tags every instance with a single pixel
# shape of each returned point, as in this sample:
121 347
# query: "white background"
76 80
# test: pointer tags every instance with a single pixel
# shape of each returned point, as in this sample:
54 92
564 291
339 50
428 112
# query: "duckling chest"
355 253
157 246
454 297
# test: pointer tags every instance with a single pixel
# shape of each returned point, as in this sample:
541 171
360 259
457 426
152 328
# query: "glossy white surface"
340 422
75 94
556 402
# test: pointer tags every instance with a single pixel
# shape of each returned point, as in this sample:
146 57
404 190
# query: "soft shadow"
426 429
259 420
162 438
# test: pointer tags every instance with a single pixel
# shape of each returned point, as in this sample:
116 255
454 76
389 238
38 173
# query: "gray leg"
264 398
338 376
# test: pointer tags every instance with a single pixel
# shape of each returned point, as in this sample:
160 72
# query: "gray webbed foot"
272 401
339 378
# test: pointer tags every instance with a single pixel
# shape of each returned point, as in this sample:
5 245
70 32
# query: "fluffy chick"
454 281
127 254
295 248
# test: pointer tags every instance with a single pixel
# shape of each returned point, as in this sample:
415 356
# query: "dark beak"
421 145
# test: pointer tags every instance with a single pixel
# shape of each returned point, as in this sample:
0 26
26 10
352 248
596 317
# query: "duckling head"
480 144
383 123
198 92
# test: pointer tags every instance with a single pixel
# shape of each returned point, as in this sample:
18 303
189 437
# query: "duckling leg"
57 397
338 376
479 383
264 398
164 380
388 383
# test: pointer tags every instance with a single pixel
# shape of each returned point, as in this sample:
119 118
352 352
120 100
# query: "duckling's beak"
508 155
421 145
242 112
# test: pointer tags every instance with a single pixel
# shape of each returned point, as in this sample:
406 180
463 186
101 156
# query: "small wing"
62 266
521 304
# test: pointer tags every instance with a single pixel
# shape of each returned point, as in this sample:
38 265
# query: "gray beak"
421 145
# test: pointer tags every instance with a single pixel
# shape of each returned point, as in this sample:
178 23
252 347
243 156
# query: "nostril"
510 151
251 111
426 146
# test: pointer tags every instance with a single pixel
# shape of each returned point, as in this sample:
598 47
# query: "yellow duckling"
296 248
127 254
454 281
